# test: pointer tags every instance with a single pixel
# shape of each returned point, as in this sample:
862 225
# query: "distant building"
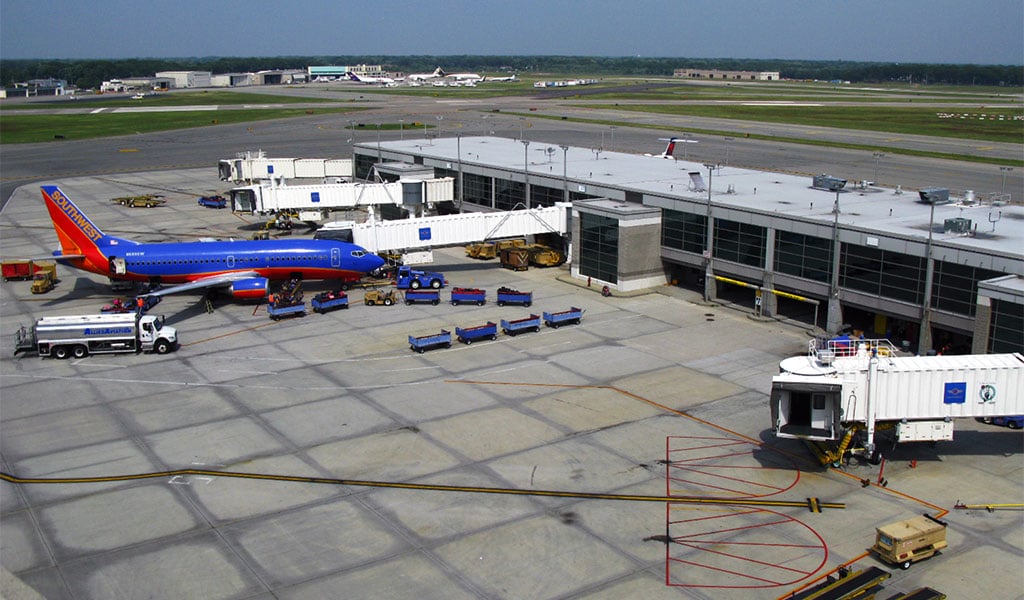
688 73
188 79
340 70
232 79
38 87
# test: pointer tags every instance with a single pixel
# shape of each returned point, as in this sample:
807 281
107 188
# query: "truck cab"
409 278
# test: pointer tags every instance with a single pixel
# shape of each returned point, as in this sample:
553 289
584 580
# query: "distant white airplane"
370 80
425 76
464 77
509 78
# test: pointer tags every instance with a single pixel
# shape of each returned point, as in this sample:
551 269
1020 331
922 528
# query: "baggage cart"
328 301
531 323
423 296
470 295
427 342
566 317
480 332
511 296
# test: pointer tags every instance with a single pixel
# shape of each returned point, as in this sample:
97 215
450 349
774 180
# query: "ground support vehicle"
422 296
566 317
516 259
81 335
480 332
409 278
117 306
374 297
213 201
470 295
909 541
328 301
511 296
489 250
1013 421
279 310
531 323
45 277
426 342
26 269
544 256
147 201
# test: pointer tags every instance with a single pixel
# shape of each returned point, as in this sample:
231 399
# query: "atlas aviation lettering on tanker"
245 268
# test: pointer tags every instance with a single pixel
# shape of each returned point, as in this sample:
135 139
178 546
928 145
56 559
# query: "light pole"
565 174
709 272
378 144
401 128
877 156
424 128
526 172
612 146
1004 170
834 317
728 148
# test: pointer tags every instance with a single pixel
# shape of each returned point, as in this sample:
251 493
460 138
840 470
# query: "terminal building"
934 271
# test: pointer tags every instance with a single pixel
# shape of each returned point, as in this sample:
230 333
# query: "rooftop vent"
828 182
934 195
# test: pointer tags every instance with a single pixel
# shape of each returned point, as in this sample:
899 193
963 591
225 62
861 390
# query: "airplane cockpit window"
358 253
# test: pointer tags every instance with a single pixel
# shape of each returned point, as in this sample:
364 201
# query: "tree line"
90 73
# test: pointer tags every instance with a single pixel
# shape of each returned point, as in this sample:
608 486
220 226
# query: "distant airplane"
509 78
245 268
464 77
426 76
669 152
370 80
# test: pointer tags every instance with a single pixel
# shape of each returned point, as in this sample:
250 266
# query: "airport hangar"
640 221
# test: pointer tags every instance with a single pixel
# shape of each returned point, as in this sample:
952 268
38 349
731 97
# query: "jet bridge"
843 386
460 229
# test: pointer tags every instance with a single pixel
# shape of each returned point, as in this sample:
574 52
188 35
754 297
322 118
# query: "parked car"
1013 421
213 201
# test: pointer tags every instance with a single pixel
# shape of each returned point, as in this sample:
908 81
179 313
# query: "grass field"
168 99
994 125
28 128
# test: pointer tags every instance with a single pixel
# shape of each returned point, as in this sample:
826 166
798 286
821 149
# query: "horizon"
910 32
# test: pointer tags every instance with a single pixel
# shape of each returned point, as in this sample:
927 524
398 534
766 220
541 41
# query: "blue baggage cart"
480 332
471 295
328 301
565 317
511 296
426 342
423 295
531 323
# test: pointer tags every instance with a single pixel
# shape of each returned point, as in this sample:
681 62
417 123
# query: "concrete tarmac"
651 395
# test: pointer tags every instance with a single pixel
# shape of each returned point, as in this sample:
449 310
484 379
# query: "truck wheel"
388 302
480 303
494 336
501 303
80 351
162 347
527 303
420 350
435 283
468 341
369 303
408 302
1011 424
536 329
415 284
905 565
435 301
61 352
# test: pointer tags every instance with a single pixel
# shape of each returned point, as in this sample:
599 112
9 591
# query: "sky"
910 31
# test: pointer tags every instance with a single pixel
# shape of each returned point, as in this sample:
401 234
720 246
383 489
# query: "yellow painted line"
985 148
128 150
414 486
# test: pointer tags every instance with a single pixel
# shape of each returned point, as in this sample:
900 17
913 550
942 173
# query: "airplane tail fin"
78 235
671 149
352 76
439 72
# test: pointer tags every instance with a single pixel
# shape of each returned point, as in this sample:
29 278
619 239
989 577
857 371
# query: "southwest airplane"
245 268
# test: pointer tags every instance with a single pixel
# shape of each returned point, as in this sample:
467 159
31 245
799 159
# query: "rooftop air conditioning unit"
934 195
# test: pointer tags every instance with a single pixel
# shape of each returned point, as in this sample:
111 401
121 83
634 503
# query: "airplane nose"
375 262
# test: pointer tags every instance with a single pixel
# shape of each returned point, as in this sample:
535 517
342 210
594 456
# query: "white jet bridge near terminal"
846 388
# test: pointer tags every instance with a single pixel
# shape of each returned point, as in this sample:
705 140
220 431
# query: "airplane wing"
205 282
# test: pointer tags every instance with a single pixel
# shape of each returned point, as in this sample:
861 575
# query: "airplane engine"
252 288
